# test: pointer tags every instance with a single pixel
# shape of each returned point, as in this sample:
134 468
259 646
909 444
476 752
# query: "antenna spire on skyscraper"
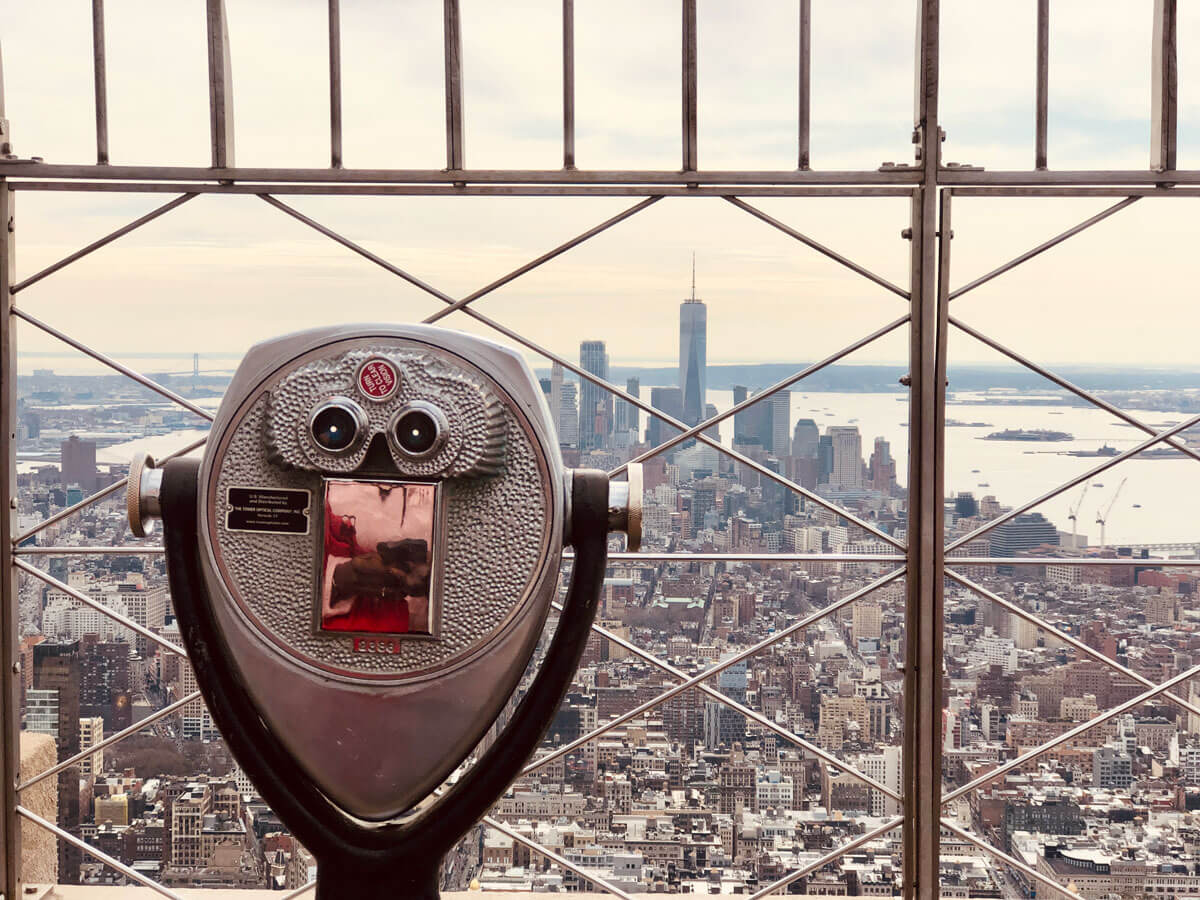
693 274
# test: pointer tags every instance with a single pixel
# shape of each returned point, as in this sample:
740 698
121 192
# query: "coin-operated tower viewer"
361 565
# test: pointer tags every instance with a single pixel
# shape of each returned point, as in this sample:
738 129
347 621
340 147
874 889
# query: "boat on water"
974 471
1103 450
1028 434
1097 484
1137 506
983 484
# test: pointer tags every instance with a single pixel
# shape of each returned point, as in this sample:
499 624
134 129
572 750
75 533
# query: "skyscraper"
805 439
847 456
568 414
595 403
79 463
626 414
693 354
556 397
669 401
56 668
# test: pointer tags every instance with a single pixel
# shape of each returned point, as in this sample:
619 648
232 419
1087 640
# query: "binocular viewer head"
380 514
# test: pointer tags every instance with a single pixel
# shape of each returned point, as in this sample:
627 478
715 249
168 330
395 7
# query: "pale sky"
222 272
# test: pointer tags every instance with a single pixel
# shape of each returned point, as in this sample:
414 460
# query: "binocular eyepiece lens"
335 427
417 432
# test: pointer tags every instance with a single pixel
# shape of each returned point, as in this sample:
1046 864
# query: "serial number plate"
268 510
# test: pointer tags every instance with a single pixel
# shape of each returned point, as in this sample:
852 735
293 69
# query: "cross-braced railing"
922 559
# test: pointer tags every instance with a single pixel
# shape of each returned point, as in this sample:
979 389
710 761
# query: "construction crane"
1102 519
1073 512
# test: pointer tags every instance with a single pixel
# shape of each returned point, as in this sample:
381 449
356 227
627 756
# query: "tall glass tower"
693 352
595 403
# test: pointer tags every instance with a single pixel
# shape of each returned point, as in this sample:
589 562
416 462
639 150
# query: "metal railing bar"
1068 386
88 551
544 258
113 364
746 711
1043 247
513 176
568 82
1164 87
335 84
220 85
470 190
864 838
98 606
1079 729
583 373
554 857
97 853
104 241
1031 177
755 557
96 497
820 248
112 739
1064 561
1009 860
1079 479
1043 83
452 56
1060 635
300 891
535 764
688 79
804 112
100 81
1162 190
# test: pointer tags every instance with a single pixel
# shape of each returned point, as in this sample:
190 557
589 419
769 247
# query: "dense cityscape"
691 794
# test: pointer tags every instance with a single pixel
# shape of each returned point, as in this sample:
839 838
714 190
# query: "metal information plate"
268 510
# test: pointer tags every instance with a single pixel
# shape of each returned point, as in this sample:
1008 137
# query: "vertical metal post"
1164 87
220 86
923 611
335 84
689 86
10 710
568 62
1043 81
99 76
805 111
452 31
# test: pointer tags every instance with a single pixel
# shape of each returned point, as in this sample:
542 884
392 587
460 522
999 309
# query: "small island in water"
1022 434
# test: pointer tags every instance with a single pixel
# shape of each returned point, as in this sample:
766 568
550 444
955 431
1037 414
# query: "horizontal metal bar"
1079 729
955 177
112 739
98 606
1091 398
113 364
468 190
544 258
1043 247
789 736
535 764
1079 645
754 557
827 858
1015 863
104 241
1162 190
1079 479
98 496
10 169
89 551
1067 561
554 857
820 248
97 853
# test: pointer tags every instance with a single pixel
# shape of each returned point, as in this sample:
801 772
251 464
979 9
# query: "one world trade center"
693 344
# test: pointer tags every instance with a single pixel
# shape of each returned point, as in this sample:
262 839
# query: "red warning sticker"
377 379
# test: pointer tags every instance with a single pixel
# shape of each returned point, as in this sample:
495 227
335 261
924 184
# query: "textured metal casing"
379 723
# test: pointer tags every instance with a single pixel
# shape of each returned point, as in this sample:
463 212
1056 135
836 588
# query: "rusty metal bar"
1066 561
805 106
568 82
1043 82
1070 733
690 154
820 248
104 241
100 81
1043 247
335 84
113 364
452 34
220 85
544 258
156 550
1164 87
